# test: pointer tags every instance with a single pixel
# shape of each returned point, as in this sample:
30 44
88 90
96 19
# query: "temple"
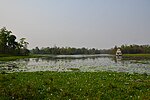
118 52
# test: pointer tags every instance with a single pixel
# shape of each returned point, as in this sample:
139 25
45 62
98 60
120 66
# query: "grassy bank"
74 85
11 57
136 56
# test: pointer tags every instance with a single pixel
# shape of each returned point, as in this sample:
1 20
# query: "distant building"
118 52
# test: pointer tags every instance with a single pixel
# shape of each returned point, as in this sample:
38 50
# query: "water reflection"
81 62
118 58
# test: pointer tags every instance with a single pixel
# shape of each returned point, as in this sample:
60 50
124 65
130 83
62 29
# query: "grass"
74 69
12 58
136 56
74 86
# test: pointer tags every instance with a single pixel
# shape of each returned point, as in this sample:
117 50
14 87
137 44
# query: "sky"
98 24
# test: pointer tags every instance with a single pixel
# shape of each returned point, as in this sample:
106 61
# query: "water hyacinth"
75 85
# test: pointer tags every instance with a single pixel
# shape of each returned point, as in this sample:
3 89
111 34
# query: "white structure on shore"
118 52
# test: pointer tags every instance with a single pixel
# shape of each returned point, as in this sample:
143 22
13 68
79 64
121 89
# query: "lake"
82 63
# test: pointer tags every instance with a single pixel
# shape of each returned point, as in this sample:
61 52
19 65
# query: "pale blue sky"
78 23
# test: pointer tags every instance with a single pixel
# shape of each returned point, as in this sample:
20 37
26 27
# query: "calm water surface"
83 63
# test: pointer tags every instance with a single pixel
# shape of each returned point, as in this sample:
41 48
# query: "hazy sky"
78 23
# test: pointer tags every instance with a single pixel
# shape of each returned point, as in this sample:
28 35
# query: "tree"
4 38
64 51
135 49
9 45
23 46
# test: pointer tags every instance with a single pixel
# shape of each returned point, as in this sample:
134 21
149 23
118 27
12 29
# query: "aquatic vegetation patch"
13 58
141 61
74 85
136 56
73 69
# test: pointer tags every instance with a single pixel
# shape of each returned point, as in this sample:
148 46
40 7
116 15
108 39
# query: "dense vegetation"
133 49
64 51
126 49
74 86
9 45
12 57
136 56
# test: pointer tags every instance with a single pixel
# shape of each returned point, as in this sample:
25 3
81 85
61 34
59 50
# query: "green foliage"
135 49
9 45
64 51
136 56
12 58
74 85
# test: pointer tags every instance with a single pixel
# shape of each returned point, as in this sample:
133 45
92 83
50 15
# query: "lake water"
83 63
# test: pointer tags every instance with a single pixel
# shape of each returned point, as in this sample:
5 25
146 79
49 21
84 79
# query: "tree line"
9 45
133 49
64 50
126 49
